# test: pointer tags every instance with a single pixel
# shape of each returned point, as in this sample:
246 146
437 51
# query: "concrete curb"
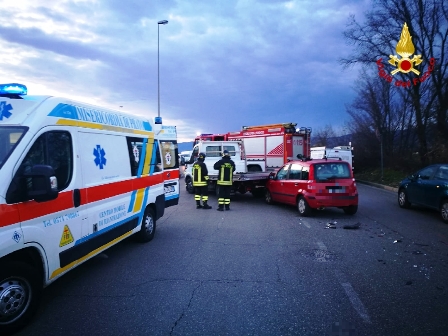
376 185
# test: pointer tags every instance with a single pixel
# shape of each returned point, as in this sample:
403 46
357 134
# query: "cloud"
223 64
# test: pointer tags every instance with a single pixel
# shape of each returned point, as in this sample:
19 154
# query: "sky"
221 64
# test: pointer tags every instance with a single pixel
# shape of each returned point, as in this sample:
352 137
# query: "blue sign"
100 159
5 110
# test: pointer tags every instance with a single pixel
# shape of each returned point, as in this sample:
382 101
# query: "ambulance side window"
135 146
158 165
170 154
52 148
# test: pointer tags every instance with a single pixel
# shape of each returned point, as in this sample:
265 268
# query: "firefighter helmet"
225 153
201 156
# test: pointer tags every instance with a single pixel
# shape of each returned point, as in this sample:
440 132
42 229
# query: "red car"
314 184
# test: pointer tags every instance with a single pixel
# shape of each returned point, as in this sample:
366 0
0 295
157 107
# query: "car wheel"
403 201
302 206
189 185
148 227
268 197
444 210
350 210
20 293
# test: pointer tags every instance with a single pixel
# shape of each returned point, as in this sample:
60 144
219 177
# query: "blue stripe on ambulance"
143 156
100 238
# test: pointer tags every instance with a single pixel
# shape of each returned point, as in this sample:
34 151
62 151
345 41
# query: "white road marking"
353 297
306 224
321 246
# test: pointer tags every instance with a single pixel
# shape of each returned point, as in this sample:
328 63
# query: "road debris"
352 227
397 241
331 225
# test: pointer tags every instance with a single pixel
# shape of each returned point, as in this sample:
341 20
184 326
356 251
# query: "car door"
292 184
277 185
419 185
435 186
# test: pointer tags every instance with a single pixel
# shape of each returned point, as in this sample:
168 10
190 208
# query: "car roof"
313 161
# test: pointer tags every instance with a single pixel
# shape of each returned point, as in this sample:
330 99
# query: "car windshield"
332 170
10 136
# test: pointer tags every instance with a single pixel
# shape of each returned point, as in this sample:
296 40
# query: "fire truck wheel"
148 227
20 293
258 192
217 190
303 207
189 185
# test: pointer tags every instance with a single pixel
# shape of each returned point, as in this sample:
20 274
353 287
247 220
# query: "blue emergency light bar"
13 88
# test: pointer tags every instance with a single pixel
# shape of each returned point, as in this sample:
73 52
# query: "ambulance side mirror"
43 184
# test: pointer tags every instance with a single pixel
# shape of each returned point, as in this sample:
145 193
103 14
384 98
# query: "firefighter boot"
227 207
220 207
198 205
206 206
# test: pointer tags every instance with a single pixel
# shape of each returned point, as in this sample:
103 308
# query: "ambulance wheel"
20 293
148 227
302 206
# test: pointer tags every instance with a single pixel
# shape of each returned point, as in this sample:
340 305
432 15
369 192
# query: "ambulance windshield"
10 136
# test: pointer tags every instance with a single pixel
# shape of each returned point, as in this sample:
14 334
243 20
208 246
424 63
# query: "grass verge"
389 177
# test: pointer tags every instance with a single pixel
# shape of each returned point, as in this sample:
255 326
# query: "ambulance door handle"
76 198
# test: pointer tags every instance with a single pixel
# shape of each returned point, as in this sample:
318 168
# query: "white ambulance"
75 180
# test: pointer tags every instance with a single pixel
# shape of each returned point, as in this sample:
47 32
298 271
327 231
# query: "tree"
422 107
323 135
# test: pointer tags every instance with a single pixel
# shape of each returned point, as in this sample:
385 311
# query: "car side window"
295 173
305 173
427 173
442 173
282 173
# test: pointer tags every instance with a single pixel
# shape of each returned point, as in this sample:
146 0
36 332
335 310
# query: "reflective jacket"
200 174
225 167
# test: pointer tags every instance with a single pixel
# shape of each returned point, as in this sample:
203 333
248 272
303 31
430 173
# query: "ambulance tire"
20 292
148 227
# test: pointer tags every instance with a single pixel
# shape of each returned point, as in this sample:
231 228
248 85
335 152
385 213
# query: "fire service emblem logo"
405 48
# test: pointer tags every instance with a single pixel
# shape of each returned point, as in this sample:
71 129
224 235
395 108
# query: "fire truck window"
213 151
231 150
195 153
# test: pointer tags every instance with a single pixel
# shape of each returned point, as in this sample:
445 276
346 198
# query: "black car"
427 187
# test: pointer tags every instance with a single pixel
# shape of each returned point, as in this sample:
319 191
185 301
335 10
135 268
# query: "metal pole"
381 135
158 72
164 22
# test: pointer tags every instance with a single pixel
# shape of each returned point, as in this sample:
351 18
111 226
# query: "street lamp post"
163 22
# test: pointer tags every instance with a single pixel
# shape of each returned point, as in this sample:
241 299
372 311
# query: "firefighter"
225 167
200 182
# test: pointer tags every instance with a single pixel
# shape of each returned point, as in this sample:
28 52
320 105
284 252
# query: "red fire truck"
268 147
